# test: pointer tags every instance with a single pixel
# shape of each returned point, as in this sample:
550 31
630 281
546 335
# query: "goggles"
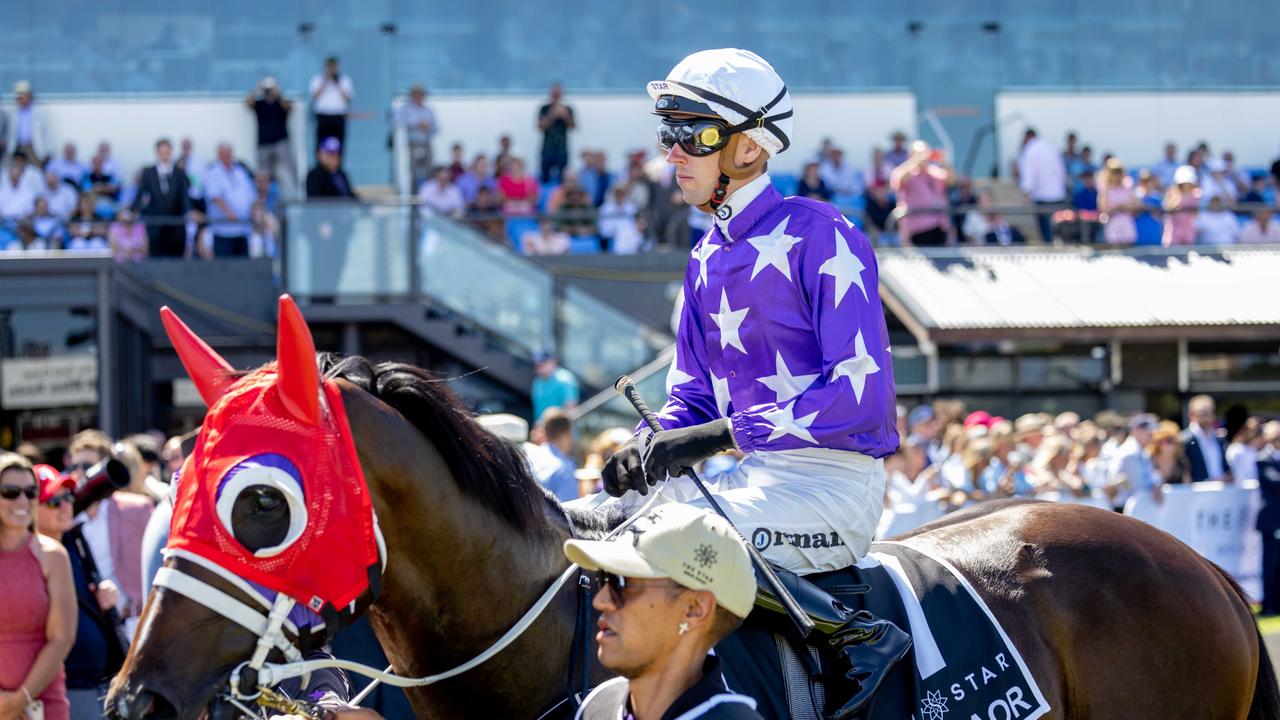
697 138
11 492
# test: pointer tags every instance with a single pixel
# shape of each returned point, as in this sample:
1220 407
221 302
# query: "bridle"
269 620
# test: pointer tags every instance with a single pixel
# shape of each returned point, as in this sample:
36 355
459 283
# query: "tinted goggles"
695 137
11 492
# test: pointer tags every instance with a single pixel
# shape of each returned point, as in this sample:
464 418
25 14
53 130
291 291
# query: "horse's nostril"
145 705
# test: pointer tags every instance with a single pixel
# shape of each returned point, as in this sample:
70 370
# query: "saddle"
961 664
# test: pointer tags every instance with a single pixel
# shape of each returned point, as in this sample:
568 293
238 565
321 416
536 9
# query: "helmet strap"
730 171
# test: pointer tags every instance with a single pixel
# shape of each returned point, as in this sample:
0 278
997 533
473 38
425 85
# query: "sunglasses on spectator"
11 492
618 586
57 500
79 466
696 137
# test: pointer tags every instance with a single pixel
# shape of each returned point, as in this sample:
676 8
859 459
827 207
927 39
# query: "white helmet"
738 86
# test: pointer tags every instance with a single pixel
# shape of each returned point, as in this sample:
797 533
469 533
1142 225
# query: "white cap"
699 550
1185 174
269 82
22 87
507 427
734 83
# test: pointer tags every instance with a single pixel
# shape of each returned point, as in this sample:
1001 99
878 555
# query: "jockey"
782 354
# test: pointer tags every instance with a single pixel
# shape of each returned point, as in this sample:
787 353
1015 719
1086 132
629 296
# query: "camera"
100 481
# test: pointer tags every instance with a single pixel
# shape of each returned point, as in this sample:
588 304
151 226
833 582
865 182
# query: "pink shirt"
925 188
1120 228
1180 227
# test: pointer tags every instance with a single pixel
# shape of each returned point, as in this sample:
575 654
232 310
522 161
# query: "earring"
684 628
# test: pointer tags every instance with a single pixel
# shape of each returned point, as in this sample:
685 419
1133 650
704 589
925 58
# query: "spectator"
29 131
1132 471
1268 522
268 193
456 166
1149 208
898 153
1260 229
1042 178
1201 443
230 193
572 208
327 179
47 226
1004 475
922 426
440 196
983 225
518 191
470 181
619 228
109 164
1083 164
17 197
1217 185
1258 191
58 195
67 168
1164 170
545 240
191 164
331 95
1117 202
23 238
1166 454
419 125
921 184
555 120
880 169
264 239
659 618
103 184
127 237
501 157
39 621
85 230
1180 205
557 440
1234 175
275 157
485 214
163 201
961 198
1242 453
812 185
1217 225
1070 153
1086 194
594 176
553 386
841 178
879 209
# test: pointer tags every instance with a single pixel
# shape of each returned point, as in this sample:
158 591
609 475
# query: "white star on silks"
729 320
773 249
720 388
676 376
856 368
784 384
703 253
845 267
933 706
785 422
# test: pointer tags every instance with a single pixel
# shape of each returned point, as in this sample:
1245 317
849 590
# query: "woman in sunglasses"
38 624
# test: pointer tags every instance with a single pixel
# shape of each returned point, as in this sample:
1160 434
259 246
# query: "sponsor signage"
60 381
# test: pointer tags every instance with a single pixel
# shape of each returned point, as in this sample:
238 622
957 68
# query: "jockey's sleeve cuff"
740 431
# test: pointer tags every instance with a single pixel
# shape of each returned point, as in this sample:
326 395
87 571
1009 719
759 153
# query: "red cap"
977 417
51 481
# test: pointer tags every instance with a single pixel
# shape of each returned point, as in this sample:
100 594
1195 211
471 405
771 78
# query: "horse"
1115 618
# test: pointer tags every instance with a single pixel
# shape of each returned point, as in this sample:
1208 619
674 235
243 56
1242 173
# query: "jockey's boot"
867 647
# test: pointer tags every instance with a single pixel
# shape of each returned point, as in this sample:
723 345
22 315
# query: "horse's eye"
262 503
267 501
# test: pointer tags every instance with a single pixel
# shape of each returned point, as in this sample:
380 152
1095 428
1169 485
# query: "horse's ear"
298 380
210 373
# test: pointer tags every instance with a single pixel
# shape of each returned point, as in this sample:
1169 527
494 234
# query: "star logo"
845 268
773 249
703 253
785 422
705 555
856 368
729 320
785 385
933 706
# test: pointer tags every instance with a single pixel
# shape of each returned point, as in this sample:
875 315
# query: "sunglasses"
696 137
79 466
11 492
57 500
618 586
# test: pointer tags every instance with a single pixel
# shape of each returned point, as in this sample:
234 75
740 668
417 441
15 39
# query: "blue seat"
517 227
785 184
850 202
587 245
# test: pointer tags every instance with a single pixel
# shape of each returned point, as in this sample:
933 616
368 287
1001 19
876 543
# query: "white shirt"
1043 176
1217 228
1211 450
1253 233
97 533
1213 187
842 180
62 200
618 221
331 101
16 201
1243 461
445 200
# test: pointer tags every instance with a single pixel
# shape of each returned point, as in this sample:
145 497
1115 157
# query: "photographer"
331 94
274 155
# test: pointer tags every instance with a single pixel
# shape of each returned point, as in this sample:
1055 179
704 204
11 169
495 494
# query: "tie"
164 183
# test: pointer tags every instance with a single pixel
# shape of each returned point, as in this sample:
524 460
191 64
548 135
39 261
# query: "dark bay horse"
1115 618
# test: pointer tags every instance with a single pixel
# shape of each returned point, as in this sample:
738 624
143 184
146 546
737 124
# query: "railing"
350 253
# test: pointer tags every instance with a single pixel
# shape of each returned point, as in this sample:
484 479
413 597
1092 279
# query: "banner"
48 382
1216 519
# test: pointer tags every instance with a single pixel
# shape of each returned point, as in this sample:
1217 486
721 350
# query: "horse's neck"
457 588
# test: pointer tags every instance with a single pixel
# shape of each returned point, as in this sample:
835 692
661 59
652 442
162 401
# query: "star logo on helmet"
705 555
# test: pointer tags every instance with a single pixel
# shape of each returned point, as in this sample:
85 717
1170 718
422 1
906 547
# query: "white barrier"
1216 520
906 516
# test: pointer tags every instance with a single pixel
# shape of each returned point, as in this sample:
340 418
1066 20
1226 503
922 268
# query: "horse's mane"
487 468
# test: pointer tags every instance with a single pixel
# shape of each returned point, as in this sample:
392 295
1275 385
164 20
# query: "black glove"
643 461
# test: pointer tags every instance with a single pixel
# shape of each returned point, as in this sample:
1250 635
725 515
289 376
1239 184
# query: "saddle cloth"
962 665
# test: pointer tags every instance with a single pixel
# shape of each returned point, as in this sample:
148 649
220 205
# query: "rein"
271 628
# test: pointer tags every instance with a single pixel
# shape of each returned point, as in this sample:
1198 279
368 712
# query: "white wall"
132 124
1135 125
619 124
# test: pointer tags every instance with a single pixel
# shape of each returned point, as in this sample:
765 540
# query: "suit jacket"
152 200
1269 484
320 184
1195 455
127 516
